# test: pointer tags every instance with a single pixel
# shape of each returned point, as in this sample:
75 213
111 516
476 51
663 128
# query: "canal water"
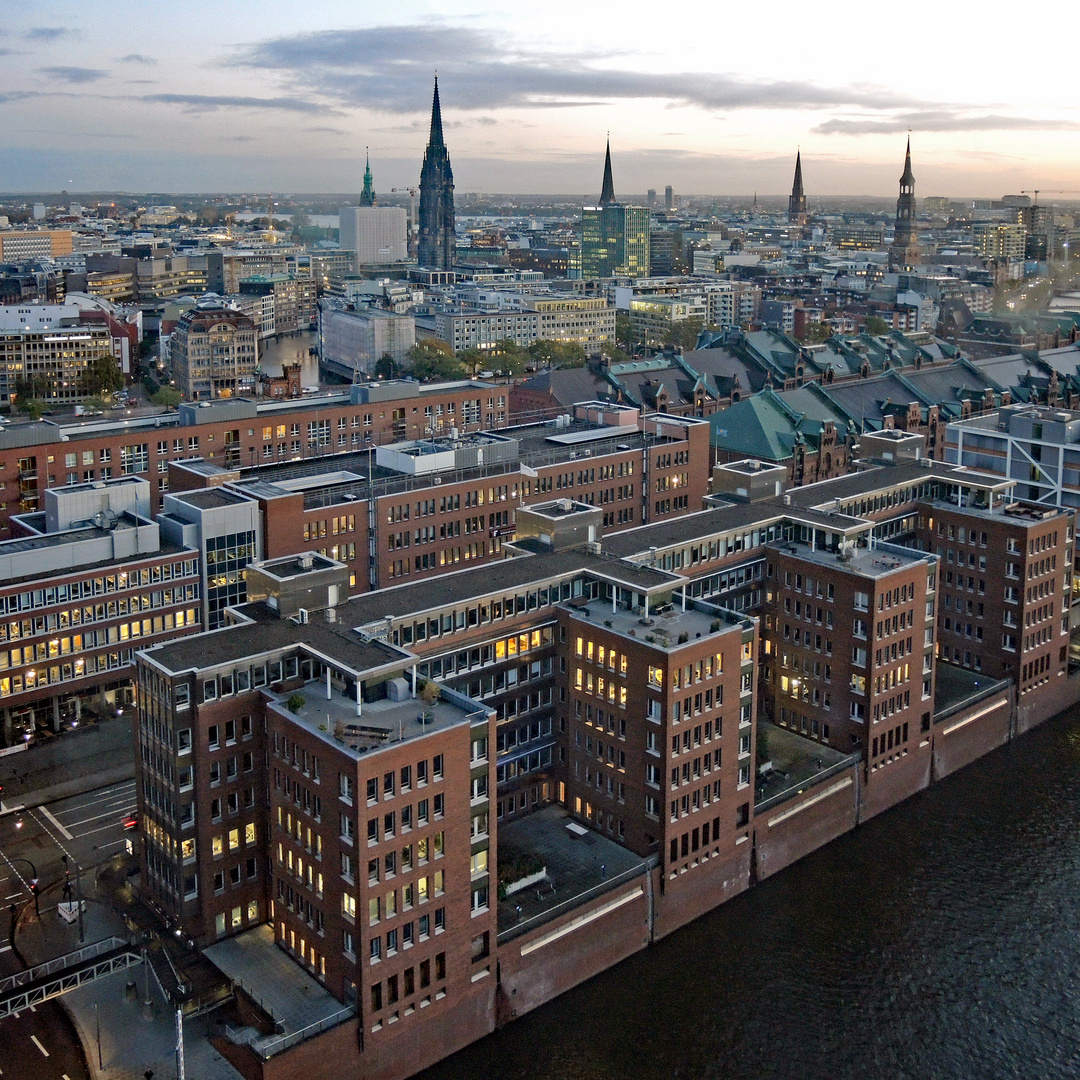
939 940
289 349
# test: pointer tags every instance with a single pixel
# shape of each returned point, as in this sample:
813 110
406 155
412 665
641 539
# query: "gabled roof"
570 385
725 369
769 425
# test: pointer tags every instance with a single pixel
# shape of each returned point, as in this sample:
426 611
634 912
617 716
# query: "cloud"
211 102
390 68
75 75
941 120
47 33
137 58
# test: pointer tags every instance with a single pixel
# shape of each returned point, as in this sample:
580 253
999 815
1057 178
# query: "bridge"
64 973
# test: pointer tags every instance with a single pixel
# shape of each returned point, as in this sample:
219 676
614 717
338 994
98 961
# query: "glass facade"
226 579
614 241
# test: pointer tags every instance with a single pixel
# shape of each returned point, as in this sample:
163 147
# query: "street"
40 1043
86 828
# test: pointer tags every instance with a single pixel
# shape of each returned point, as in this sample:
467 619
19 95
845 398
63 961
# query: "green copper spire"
367 196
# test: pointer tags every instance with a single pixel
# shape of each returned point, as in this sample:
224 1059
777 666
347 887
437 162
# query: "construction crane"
412 193
1050 191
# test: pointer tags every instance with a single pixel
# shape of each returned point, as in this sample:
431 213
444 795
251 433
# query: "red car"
130 821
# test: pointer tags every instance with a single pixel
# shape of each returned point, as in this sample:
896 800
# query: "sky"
714 99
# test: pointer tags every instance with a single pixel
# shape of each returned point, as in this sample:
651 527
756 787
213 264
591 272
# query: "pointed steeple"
436 136
908 179
367 196
797 199
607 190
904 252
437 243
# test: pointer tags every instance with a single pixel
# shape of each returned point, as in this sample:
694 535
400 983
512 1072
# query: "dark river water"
939 940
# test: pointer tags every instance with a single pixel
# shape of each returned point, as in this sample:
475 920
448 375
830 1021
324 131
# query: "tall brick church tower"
437 245
904 253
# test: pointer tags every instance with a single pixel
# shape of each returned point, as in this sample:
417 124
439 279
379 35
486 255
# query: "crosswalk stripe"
56 824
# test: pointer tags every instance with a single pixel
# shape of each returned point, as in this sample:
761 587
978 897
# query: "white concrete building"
352 341
378 234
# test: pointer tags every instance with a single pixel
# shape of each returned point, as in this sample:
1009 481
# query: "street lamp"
33 878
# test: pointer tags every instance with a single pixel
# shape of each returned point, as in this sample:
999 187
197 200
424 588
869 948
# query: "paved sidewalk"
130 1043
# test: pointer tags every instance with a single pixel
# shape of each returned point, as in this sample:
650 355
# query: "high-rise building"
797 199
614 237
998 239
437 245
377 234
650 198
904 253
669 198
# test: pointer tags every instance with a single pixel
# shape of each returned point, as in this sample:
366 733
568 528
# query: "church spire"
436 136
908 179
797 199
904 252
607 190
437 243
367 196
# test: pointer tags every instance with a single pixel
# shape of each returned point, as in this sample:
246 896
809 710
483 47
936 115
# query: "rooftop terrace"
375 726
795 764
581 864
663 628
297 1003
872 562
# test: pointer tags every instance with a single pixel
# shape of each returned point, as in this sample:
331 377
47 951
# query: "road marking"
105 847
4 949
34 1040
97 798
103 828
13 895
119 812
45 830
64 1076
56 824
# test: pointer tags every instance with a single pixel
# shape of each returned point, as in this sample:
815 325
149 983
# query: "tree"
433 359
815 333
473 360
102 375
684 334
546 353
386 367
508 358
168 397
30 388
624 333
876 326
